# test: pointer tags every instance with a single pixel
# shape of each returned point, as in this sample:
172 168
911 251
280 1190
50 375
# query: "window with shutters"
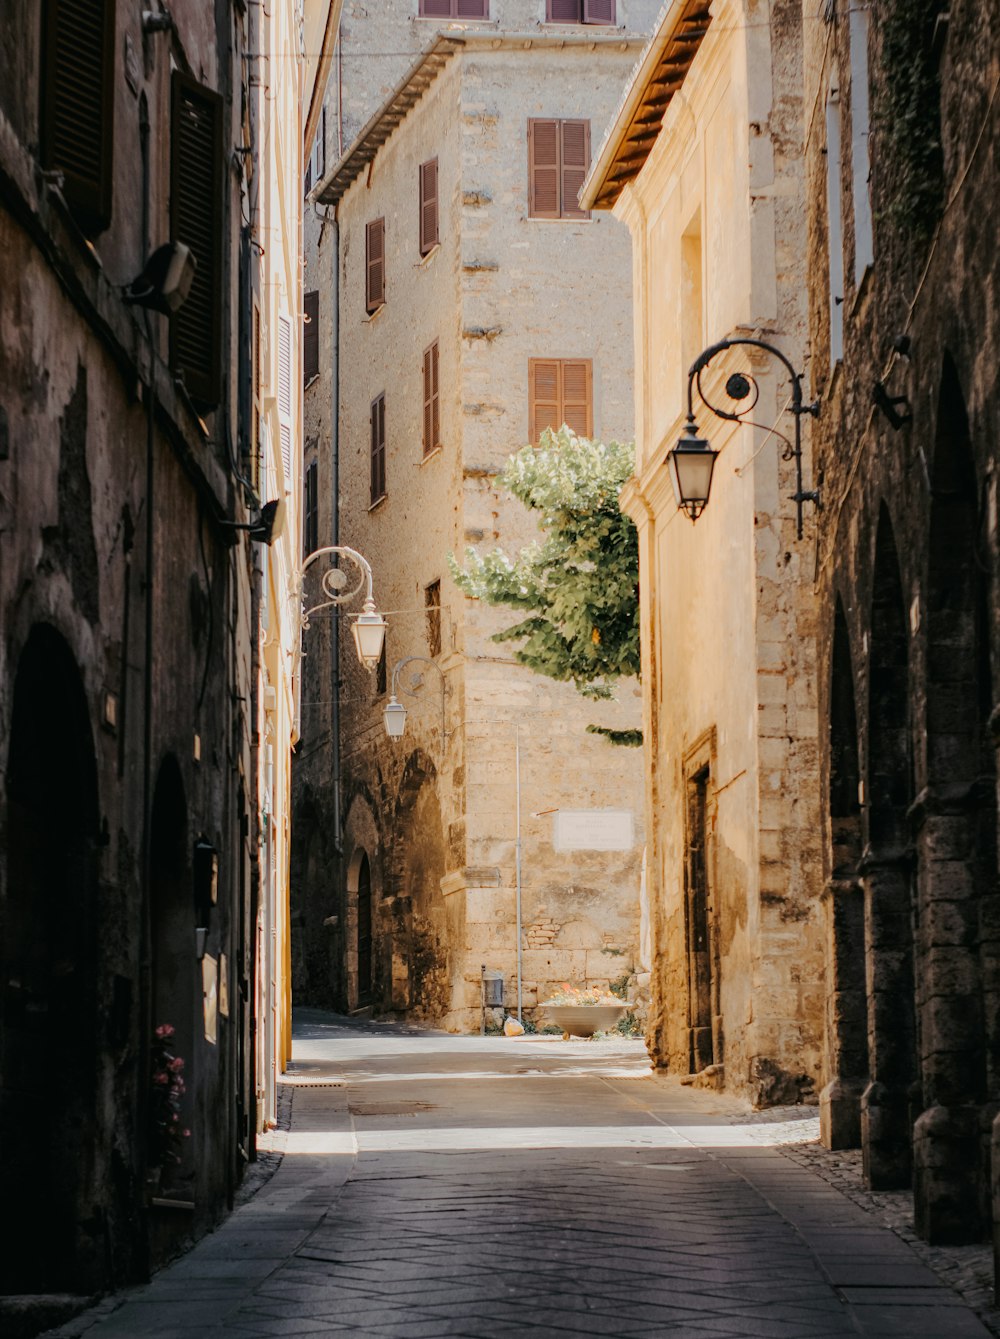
560 390
285 393
76 114
432 603
255 420
317 159
579 11
375 265
429 237
558 162
432 400
310 338
196 220
378 449
454 9
310 511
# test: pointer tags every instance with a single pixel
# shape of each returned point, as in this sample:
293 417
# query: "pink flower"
160 1078
176 1064
187 1134
164 1031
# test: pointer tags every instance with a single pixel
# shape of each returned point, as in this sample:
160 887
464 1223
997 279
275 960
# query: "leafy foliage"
577 589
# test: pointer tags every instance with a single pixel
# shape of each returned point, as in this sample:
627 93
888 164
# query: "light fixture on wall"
165 280
394 713
369 626
692 461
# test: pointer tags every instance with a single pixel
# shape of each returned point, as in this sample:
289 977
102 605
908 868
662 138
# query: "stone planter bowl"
583 1020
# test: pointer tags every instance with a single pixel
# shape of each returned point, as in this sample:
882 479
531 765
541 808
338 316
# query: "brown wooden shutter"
432 400
544 407
310 517
310 337
77 104
543 169
378 448
472 9
598 11
255 440
564 11
428 206
196 220
575 163
435 9
577 395
375 265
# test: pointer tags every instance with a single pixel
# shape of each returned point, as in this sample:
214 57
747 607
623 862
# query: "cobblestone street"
438 1185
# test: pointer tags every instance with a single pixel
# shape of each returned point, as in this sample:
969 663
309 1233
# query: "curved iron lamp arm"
739 386
423 660
334 596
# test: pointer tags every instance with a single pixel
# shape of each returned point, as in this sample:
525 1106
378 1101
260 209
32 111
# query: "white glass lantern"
369 635
394 715
691 463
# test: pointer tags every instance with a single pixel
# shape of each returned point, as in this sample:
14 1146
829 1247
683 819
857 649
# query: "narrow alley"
442 1185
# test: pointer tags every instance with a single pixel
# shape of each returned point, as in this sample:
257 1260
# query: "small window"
77 104
256 414
454 9
428 206
835 227
432 400
310 337
196 183
378 449
432 602
558 162
375 265
317 159
382 668
580 11
560 390
310 511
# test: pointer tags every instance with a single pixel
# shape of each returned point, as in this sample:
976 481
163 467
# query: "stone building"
902 179
129 660
453 275
704 162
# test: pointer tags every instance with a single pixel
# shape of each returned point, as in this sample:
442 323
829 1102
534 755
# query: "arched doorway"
176 985
886 1116
846 1038
956 844
364 897
421 937
48 1121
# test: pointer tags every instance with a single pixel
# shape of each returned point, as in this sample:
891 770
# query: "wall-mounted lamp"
268 526
369 626
692 461
165 280
394 713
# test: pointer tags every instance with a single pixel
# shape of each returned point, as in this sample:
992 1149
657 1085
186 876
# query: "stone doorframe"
701 939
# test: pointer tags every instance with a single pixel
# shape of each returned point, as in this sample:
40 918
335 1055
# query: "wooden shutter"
574 163
543 169
544 408
310 337
564 11
375 265
196 219
428 206
255 438
435 9
77 104
378 448
472 9
432 400
285 393
310 519
598 11
432 603
577 396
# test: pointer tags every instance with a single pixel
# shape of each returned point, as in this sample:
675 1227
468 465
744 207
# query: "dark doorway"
176 977
364 934
705 1045
48 1125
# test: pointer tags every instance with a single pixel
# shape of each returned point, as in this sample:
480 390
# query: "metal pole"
517 847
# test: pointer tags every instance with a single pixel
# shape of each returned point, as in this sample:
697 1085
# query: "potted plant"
166 1131
582 1012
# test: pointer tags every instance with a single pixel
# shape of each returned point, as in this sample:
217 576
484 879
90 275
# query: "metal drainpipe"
338 836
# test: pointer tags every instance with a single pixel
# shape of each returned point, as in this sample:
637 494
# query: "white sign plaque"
593 830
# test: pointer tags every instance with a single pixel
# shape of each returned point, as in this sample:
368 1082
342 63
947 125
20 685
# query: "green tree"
577 589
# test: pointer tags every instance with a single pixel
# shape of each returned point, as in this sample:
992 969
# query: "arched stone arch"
176 975
886 1117
367 983
955 823
846 1023
48 1009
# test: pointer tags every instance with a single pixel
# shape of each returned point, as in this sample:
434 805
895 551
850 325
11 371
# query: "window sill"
429 455
534 218
370 316
378 502
424 260
861 291
560 25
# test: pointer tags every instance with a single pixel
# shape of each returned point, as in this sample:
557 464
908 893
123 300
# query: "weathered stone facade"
904 284
730 714
428 823
128 654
